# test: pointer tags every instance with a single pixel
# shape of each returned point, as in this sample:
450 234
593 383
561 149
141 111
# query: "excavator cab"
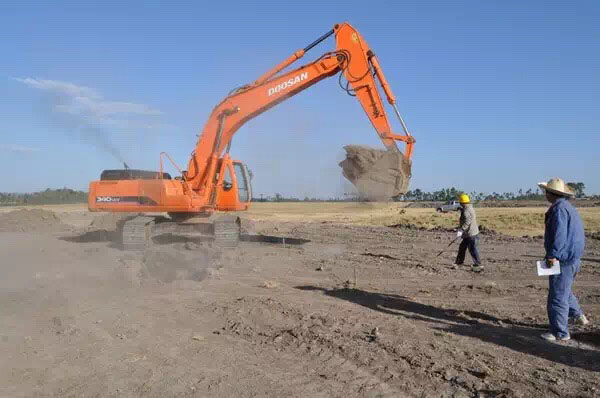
233 189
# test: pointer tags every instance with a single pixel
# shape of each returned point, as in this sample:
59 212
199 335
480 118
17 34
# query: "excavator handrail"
183 175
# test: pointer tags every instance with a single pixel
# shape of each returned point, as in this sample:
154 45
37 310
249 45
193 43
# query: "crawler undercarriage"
138 232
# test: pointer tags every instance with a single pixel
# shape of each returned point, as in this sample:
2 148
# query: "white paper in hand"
544 270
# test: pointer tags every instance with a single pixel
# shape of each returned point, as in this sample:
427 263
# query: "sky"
499 95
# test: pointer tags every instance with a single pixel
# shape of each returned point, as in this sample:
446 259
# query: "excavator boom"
352 57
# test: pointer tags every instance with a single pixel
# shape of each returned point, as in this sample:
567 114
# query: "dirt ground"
341 309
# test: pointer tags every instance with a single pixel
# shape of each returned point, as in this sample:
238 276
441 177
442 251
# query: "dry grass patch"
512 221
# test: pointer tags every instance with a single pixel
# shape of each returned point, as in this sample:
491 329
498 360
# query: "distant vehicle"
450 206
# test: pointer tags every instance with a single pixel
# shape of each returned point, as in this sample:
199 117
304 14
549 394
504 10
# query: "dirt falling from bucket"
377 174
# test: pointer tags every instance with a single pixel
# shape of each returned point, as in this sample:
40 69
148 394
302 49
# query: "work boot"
551 337
477 268
581 320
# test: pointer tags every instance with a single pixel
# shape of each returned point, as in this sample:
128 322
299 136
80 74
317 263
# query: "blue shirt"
565 237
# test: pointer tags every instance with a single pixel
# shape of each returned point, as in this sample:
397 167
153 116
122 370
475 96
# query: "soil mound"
31 220
377 174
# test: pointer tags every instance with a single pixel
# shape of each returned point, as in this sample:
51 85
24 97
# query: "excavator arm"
352 58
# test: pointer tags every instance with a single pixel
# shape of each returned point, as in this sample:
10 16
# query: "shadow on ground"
273 239
165 239
517 336
102 235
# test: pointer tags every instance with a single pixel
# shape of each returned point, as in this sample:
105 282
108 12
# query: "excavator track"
136 233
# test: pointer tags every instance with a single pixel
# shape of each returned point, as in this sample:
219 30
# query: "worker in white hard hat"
468 230
564 241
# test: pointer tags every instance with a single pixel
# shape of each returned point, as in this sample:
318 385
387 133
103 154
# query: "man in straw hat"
564 241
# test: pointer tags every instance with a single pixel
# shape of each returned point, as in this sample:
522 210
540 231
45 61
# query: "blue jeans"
562 304
471 243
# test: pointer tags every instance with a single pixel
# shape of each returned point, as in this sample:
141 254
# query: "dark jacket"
565 237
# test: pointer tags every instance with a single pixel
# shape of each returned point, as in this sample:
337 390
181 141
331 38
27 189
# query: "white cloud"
83 112
138 124
18 148
87 102
58 86
101 109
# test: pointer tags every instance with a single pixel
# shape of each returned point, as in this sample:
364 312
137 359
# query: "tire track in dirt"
316 339
356 361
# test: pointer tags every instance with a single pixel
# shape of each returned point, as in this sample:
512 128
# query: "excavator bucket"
379 175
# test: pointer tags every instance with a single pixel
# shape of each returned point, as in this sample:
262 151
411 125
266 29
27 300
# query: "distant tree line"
280 198
70 196
47 197
578 187
447 194
442 195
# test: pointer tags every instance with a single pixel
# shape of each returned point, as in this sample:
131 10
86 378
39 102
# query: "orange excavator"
214 183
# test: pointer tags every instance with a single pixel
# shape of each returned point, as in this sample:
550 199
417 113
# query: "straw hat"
557 186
